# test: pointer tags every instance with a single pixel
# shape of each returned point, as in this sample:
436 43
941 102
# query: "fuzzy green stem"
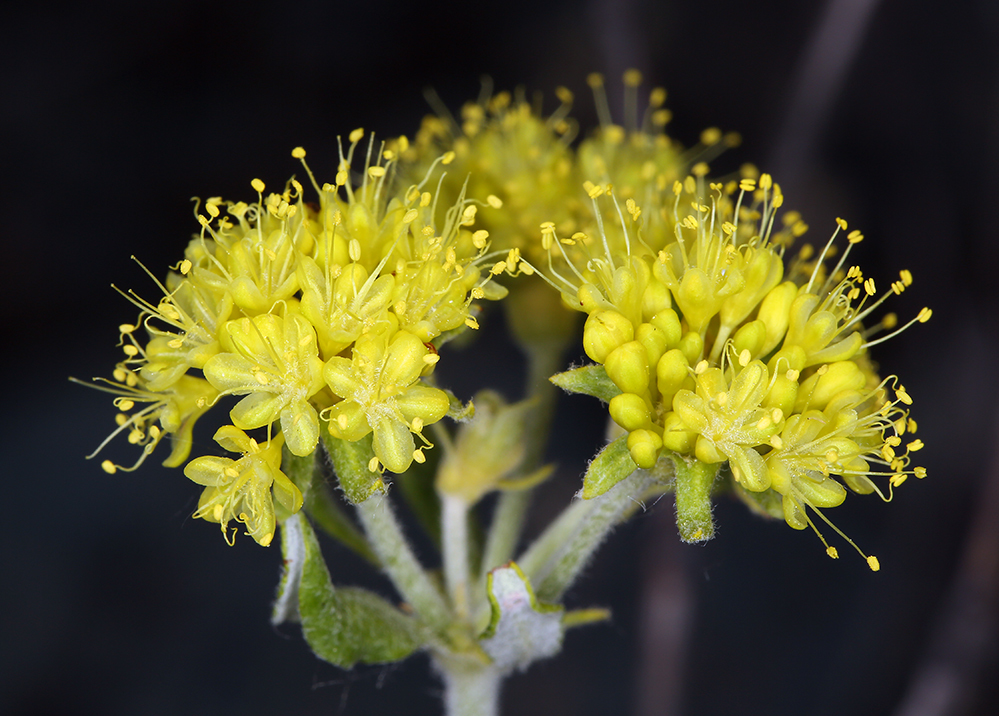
693 499
454 547
556 559
400 564
470 689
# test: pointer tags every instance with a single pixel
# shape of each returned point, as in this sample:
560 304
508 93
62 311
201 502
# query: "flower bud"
774 312
751 337
630 411
692 346
644 446
672 372
668 322
603 332
654 341
823 385
628 366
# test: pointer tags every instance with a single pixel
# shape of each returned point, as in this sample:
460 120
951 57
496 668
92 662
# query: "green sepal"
521 629
588 380
692 486
350 463
343 626
458 411
609 467
299 470
321 505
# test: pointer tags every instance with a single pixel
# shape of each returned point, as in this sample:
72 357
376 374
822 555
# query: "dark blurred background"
112 115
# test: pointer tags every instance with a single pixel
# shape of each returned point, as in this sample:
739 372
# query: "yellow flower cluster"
321 315
717 356
506 149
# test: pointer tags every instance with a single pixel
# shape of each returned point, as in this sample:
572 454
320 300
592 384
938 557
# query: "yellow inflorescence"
327 314
323 315
721 357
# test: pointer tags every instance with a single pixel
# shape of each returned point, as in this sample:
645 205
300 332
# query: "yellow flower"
176 409
274 362
381 392
716 359
241 490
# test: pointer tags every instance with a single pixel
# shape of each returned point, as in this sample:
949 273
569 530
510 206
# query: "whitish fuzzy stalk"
397 559
454 545
555 560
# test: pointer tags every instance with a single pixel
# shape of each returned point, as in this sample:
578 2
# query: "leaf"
350 463
609 467
589 380
522 629
343 626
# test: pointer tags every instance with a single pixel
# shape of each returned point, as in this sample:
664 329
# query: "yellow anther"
700 169
472 323
258 186
903 396
776 442
701 368
924 315
119 375
595 79
657 97
447 158
419 457
919 472
915 445
425 198
912 425
109 467
745 357
906 276
354 250
498 268
632 77
728 227
869 287
747 185
356 135
593 190
564 94
766 181
409 216
341 177
897 479
298 152
431 359
855 237
893 440
176 343
677 188
479 238
376 171
873 563
832 552
711 136
494 201
841 222
130 350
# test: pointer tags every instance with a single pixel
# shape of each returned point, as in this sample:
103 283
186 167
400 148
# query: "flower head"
717 358
244 490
